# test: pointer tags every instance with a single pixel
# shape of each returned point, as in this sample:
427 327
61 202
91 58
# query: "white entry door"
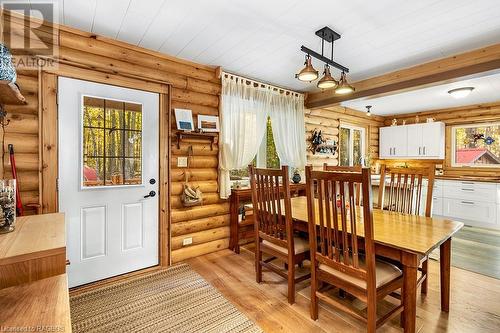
108 178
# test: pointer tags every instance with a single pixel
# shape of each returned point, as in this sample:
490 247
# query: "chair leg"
314 298
258 265
291 283
371 322
425 267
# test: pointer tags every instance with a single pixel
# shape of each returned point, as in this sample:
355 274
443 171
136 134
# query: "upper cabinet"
418 141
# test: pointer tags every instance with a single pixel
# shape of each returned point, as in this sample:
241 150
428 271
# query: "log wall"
23 132
328 121
193 86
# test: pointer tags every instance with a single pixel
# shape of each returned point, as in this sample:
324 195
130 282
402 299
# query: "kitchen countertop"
376 179
470 178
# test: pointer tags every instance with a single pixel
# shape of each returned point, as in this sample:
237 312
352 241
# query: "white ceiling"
486 90
261 39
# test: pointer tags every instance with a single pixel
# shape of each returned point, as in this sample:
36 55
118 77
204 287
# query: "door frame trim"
49 137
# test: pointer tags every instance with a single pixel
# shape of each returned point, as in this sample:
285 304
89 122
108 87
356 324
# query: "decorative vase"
296 177
7 205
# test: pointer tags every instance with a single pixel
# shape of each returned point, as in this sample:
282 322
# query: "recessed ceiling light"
461 92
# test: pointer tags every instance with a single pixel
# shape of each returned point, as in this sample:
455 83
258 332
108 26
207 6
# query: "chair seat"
301 245
385 273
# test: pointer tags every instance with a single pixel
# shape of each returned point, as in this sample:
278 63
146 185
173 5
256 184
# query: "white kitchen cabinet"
472 212
418 141
393 142
433 135
474 203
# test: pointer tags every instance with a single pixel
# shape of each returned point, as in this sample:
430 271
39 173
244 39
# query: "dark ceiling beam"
432 73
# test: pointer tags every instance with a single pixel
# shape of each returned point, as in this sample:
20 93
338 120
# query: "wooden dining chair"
333 241
403 194
274 232
338 168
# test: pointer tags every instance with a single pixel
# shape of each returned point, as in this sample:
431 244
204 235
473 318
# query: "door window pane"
357 152
351 145
344 149
112 142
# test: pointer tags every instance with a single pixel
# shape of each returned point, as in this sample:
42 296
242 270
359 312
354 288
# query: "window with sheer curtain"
250 113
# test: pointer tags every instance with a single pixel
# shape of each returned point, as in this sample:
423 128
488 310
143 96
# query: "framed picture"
208 123
184 119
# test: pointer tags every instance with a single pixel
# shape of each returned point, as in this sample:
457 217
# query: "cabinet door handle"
467 202
424 150
468 189
394 150
419 150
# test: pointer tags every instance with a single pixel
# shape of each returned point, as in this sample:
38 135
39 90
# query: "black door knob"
152 181
151 194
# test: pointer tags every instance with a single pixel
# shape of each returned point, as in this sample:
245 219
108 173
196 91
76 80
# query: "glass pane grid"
112 142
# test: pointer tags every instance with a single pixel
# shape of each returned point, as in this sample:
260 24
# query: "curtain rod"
261 84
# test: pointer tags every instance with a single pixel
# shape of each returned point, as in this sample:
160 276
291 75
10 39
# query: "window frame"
351 127
453 146
81 138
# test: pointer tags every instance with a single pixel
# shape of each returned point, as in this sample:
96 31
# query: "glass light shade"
327 81
308 73
461 92
344 87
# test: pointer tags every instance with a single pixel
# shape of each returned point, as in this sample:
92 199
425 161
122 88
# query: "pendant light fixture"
327 81
344 87
308 73
368 113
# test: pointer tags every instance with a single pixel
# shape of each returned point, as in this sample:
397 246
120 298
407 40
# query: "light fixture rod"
324 59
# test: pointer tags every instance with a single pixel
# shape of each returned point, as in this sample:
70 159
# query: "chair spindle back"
404 191
271 204
333 233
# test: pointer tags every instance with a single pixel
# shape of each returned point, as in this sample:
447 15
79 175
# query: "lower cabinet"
478 213
474 203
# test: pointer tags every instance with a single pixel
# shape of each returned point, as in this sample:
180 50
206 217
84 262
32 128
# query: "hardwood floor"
476 250
475 299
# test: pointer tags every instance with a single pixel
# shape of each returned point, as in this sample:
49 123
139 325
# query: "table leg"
410 267
445 264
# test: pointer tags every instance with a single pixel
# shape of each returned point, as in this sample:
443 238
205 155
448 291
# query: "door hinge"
57 184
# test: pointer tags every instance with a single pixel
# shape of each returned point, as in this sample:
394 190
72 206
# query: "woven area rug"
176 299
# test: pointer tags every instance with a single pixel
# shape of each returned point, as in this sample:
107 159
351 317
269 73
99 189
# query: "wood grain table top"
35 235
40 306
411 233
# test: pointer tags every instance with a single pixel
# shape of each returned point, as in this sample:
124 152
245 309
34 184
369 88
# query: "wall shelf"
200 135
10 94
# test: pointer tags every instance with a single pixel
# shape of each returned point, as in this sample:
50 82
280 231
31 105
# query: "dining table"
407 239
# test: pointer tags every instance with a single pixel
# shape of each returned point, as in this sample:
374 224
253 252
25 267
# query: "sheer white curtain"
244 113
287 121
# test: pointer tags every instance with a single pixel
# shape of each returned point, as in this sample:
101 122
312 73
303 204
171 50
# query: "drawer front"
437 206
471 193
437 191
473 211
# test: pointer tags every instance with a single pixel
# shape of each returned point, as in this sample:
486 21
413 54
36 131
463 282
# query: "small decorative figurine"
394 122
296 176
417 119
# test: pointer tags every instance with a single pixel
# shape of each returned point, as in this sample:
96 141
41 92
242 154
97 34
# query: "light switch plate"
187 241
182 162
